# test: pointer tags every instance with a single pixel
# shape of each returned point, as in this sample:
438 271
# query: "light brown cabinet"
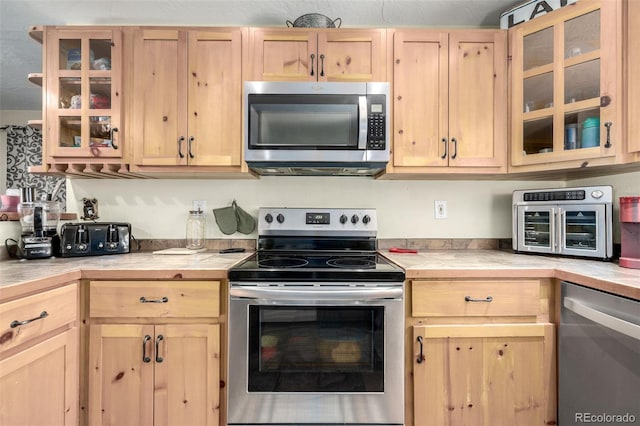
566 102
39 359
631 78
187 97
480 352
449 101
301 54
154 353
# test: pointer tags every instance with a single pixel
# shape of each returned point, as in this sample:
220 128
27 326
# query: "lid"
630 200
591 122
196 212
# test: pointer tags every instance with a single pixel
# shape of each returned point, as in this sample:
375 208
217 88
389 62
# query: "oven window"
303 122
537 225
581 230
316 349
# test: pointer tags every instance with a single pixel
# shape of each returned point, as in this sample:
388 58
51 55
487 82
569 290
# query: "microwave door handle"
362 134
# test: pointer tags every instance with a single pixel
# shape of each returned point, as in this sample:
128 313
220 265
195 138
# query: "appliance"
599 357
316 323
567 221
630 232
39 220
305 128
93 239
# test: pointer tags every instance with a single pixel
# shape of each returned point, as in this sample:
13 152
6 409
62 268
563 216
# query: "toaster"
94 239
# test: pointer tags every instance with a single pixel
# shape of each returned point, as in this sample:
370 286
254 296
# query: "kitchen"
478 211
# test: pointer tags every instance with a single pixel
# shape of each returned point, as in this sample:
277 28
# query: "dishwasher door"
599 358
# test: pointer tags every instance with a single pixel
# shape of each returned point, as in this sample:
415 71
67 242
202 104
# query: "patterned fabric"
24 149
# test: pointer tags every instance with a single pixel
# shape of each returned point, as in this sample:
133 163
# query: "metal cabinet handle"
313 59
145 358
180 140
446 147
17 323
145 300
159 339
455 148
113 141
608 125
322 65
191 140
487 299
421 357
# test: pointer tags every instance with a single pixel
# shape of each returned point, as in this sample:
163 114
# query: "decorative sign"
530 10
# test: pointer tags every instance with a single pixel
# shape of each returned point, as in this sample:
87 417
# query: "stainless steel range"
316 324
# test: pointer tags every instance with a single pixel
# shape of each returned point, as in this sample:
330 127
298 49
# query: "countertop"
20 277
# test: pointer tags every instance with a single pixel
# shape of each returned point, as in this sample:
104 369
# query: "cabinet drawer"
475 298
49 310
166 299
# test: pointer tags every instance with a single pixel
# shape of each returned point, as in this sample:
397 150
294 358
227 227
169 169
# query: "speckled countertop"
21 277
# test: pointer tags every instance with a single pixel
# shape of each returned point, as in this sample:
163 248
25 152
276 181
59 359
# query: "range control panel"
317 221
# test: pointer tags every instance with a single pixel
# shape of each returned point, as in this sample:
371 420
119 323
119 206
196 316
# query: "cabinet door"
160 97
566 73
351 55
420 101
39 386
83 101
633 82
215 98
284 55
187 380
120 380
497 374
478 99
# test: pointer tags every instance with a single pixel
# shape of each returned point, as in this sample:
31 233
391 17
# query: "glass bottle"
195 229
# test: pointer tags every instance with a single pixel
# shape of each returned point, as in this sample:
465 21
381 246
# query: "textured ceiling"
21 55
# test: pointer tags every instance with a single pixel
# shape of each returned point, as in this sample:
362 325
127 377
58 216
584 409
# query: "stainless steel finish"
599 358
245 408
295 222
294 293
362 131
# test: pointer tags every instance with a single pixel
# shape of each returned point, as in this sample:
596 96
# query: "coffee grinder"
39 221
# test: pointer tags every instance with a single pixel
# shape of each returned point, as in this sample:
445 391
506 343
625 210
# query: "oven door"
536 229
316 355
583 231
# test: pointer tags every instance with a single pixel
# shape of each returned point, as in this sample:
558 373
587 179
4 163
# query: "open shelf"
35 78
36 32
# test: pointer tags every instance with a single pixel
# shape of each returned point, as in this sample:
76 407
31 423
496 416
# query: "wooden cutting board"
180 250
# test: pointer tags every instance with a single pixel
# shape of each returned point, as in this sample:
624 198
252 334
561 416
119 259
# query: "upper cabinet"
83 93
449 102
302 54
632 80
187 97
566 105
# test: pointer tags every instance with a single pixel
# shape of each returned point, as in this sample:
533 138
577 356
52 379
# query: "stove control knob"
343 219
268 218
355 219
280 218
366 219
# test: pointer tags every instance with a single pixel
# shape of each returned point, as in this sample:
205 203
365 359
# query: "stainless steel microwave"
316 128
564 221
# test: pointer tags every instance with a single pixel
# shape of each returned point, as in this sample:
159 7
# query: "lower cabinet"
481 353
154 353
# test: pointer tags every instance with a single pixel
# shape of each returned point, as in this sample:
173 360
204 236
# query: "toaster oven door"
536 229
583 231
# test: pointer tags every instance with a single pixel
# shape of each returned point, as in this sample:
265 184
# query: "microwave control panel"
376 127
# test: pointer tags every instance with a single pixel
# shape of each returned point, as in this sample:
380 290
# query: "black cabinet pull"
113 141
487 299
322 65
420 358
455 148
145 300
159 339
191 140
608 125
444 155
180 140
313 59
17 323
145 358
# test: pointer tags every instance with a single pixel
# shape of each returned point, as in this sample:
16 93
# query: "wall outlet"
199 205
440 209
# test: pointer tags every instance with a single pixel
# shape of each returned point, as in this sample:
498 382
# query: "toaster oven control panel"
555 195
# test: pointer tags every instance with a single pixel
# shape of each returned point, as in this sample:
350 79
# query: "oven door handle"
308 295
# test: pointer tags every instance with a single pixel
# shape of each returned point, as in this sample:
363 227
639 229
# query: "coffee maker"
39 220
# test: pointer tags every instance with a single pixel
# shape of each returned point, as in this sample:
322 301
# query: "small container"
195 229
591 132
570 136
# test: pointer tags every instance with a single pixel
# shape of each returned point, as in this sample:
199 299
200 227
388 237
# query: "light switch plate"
440 209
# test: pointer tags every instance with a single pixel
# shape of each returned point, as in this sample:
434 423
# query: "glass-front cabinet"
83 92
565 71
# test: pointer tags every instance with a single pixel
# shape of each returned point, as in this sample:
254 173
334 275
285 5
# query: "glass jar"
195 229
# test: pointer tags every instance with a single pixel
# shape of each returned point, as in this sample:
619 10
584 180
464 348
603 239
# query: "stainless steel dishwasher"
599 358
